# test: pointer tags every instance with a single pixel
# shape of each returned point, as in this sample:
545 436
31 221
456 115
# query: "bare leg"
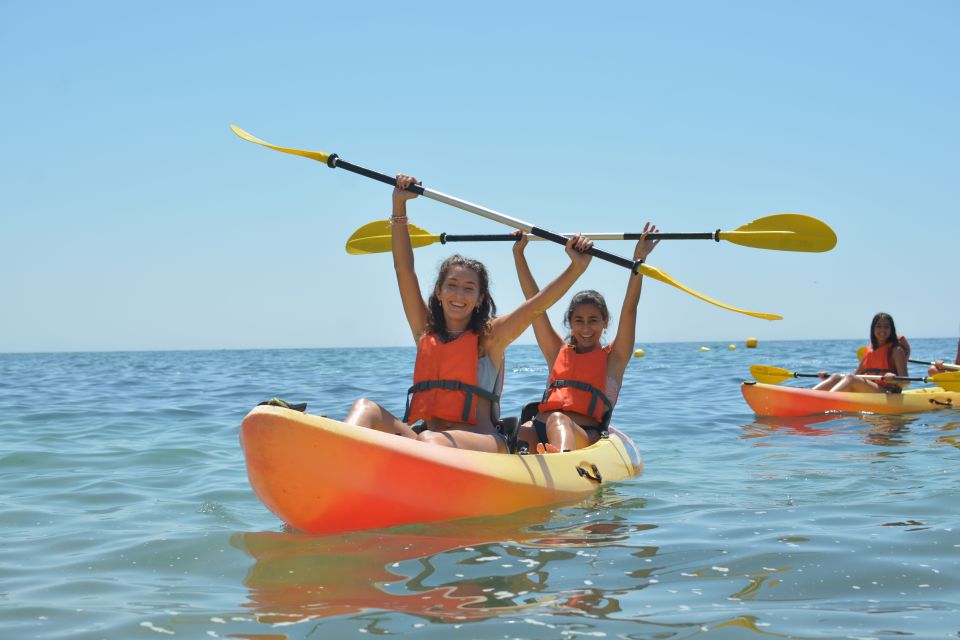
369 414
851 382
829 383
461 439
564 433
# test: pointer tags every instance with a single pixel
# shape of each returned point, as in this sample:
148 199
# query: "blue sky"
132 218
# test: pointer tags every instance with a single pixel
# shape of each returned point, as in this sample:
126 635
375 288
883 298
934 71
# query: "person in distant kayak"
585 375
458 374
938 365
885 357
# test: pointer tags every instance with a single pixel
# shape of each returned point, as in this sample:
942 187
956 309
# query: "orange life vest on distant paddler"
445 381
576 383
878 361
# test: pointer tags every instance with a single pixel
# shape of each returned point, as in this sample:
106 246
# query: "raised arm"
413 305
621 349
508 328
547 338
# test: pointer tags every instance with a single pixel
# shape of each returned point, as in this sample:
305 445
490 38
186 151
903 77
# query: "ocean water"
125 511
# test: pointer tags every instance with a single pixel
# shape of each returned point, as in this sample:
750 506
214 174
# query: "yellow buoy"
704 348
862 351
732 347
751 343
639 353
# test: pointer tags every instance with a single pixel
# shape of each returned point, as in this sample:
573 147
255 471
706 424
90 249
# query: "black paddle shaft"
509 237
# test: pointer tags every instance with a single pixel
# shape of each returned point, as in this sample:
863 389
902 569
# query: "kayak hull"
323 476
785 402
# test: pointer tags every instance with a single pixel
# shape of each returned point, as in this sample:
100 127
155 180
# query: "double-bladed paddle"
780 232
418 236
333 161
949 381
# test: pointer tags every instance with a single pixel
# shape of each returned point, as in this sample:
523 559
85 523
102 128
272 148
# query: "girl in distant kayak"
585 376
458 374
885 357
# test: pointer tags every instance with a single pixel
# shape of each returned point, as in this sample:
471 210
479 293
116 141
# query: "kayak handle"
596 477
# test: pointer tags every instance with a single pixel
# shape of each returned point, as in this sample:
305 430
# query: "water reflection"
950 434
447 572
881 429
765 426
887 430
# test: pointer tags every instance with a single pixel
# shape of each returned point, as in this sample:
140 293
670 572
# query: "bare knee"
829 382
364 413
560 431
847 380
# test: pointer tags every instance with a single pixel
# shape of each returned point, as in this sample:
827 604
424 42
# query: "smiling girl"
458 374
585 376
886 357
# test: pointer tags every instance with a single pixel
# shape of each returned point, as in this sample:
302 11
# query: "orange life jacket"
577 381
878 361
445 381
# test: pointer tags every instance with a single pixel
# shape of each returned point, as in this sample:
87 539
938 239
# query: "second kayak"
781 401
323 476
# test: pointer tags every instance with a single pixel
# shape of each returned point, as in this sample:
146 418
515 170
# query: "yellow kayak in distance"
781 401
320 475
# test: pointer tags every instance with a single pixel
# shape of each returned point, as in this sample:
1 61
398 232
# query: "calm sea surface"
125 511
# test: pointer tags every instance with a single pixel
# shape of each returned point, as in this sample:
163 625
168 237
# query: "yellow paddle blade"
769 375
949 381
784 232
657 274
376 237
319 156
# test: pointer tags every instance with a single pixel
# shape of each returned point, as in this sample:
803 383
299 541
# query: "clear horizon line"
316 348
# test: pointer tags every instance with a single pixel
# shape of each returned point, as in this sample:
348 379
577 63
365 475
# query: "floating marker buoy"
751 343
639 353
704 348
732 347
862 351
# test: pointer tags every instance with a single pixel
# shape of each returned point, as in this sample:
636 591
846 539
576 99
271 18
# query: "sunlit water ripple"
126 511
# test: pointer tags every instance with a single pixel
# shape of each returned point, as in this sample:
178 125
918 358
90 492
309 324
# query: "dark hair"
588 296
482 315
893 330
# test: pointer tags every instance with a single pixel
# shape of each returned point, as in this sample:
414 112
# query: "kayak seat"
527 414
529 411
509 427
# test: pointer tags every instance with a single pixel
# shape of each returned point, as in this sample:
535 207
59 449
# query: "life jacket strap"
595 394
451 385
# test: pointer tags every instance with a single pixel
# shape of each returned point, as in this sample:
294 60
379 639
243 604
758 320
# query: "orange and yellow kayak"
323 476
781 401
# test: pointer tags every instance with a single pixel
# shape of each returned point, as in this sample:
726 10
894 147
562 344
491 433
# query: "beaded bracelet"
397 220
